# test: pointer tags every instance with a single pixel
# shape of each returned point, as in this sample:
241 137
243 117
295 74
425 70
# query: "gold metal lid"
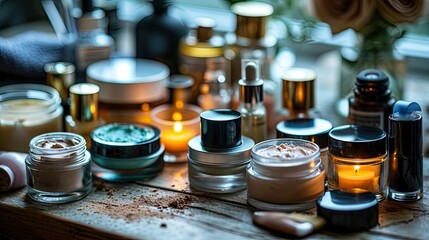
251 18
298 89
84 101
60 75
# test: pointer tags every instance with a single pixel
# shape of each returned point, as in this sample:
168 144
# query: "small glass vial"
58 168
285 175
83 116
298 94
311 129
214 91
217 159
406 152
28 110
372 102
358 160
252 109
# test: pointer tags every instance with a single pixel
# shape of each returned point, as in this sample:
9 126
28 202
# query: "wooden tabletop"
165 207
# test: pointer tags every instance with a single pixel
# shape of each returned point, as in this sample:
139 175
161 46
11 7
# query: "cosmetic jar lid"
60 75
84 101
355 141
122 140
346 211
251 18
298 89
220 128
312 129
229 156
129 80
371 78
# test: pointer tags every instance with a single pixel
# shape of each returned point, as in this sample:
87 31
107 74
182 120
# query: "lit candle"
357 178
177 125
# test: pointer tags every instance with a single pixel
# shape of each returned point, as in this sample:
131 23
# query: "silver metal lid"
228 156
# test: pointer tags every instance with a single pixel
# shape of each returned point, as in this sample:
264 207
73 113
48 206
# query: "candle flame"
177 116
356 169
177 127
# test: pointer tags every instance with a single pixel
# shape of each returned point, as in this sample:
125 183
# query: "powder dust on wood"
145 206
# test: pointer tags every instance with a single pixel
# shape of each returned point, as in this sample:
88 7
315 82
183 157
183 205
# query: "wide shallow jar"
285 174
27 110
58 168
126 152
358 160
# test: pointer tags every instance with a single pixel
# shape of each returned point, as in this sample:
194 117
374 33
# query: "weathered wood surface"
166 208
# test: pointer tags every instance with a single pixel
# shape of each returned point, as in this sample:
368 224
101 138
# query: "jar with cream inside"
285 174
27 110
58 168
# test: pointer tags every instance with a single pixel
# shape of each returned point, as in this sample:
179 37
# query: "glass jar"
358 160
58 168
27 110
285 182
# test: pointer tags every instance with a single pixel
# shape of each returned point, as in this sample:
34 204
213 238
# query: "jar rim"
284 162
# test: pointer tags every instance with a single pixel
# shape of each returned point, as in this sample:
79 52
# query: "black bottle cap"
354 141
405 131
220 128
312 129
346 211
372 81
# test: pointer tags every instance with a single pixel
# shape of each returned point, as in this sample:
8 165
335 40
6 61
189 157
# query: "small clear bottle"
252 109
214 91
58 168
372 102
83 116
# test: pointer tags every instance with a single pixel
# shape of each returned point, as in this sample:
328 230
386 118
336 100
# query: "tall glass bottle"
158 35
252 109
214 91
196 49
251 40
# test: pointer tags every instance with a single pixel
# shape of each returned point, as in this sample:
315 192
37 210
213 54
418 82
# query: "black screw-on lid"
372 81
346 211
354 141
220 128
312 129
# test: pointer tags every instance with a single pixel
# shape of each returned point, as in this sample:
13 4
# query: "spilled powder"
144 206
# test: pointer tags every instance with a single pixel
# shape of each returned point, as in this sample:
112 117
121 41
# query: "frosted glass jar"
285 183
27 110
58 168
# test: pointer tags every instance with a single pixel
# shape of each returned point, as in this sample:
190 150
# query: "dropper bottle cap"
251 86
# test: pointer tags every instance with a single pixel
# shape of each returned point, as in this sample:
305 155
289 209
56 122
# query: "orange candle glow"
358 178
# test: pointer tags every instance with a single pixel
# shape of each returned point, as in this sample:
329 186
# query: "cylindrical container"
285 174
372 102
60 75
178 126
180 89
12 170
217 159
406 152
126 152
129 88
58 168
311 129
358 160
27 110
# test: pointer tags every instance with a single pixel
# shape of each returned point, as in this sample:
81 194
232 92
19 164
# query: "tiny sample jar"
311 129
285 174
129 88
178 126
358 160
218 158
58 168
27 110
126 152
